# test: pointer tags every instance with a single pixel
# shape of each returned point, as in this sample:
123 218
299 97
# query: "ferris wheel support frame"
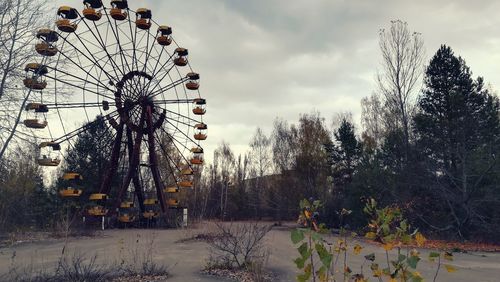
135 179
153 161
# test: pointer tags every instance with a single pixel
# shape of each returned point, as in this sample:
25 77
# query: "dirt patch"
239 275
457 247
19 238
204 237
141 278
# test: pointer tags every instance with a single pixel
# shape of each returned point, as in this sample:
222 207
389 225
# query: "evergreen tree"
345 154
457 127
90 154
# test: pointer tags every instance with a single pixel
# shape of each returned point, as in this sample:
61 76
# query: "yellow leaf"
420 239
450 268
371 235
357 249
417 274
393 280
414 253
388 246
307 214
377 273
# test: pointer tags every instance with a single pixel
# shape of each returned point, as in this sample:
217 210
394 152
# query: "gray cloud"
261 59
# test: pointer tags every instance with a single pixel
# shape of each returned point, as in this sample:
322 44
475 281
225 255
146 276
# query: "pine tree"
345 154
89 155
457 127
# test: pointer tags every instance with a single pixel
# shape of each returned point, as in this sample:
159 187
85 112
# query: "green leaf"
303 277
303 249
324 255
316 236
297 236
401 257
434 255
317 203
406 239
385 228
403 225
417 279
386 271
321 272
370 257
412 261
304 204
300 262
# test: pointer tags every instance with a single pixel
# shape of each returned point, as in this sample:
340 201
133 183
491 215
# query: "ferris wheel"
120 65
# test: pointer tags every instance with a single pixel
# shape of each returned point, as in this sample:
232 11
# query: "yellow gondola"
150 214
66 14
193 83
172 202
200 136
196 161
117 11
45 49
70 192
35 123
47 35
90 12
200 105
187 171
98 197
164 35
149 202
34 73
197 150
143 20
126 218
186 184
49 160
72 176
171 190
97 211
126 205
37 107
181 58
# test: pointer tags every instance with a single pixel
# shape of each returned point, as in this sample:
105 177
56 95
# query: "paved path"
187 259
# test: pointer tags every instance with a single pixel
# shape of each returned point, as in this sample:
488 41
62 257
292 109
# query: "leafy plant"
389 227
311 242
319 259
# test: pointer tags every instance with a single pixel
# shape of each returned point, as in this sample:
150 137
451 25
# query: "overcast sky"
263 59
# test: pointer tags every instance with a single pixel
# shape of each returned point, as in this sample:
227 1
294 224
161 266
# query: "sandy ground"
185 260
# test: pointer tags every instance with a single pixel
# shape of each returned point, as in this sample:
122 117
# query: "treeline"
431 150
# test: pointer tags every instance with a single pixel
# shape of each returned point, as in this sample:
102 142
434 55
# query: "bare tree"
238 245
338 118
284 148
261 161
372 118
260 153
402 69
19 20
224 163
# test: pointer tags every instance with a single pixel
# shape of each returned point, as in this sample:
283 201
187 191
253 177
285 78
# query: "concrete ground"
185 260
